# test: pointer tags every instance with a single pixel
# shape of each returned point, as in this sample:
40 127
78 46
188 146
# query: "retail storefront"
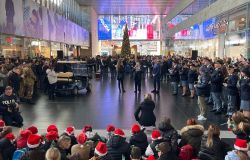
29 30
225 35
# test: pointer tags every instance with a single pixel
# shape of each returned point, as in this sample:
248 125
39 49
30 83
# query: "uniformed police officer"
10 108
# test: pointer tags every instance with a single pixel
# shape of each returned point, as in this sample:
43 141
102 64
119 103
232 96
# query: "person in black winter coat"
138 138
165 153
212 147
164 69
174 77
192 134
169 134
7 147
184 78
138 75
14 80
244 91
232 91
217 80
192 78
147 117
117 146
120 75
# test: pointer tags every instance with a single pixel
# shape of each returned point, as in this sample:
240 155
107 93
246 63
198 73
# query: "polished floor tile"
105 105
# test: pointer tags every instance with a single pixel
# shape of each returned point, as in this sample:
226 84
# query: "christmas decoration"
126 50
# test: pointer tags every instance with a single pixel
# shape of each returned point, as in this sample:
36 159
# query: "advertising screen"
140 27
104 28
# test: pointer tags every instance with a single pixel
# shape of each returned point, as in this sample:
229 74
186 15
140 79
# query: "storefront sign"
217 26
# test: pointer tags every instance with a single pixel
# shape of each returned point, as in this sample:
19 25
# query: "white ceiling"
138 7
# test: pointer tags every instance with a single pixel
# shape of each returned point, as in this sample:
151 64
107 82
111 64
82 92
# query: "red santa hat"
151 158
156 135
87 128
52 127
2 124
10 136
119 132
101 149
81 138
25 133
241 145
52 135
33 129
135 129
34 141
70 130
110 128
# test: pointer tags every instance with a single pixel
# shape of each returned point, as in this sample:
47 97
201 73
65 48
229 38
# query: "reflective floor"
106 105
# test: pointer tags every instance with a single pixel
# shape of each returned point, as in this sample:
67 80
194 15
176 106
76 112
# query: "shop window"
235 44
237 20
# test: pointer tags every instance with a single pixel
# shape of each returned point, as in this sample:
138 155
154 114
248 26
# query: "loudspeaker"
60 54
194 54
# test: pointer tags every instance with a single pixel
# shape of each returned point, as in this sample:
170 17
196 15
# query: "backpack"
186 152
21 154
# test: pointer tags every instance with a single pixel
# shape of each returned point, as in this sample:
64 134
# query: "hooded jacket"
139 140
192 135
118 147
169 134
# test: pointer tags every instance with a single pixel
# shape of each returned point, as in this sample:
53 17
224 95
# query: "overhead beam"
217 8
178 9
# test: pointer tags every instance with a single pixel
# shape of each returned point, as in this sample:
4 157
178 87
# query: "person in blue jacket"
157 76
217 80
245 91
203 91
184 78
232 91
192 78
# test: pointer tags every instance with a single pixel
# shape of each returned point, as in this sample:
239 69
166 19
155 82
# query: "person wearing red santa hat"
23 138
156 140
110 131
70 131
52 127
2 125
7 147
83 148
95 137
33 129
241 151
34 144
151 158
101 152
138 138
117 145
50 140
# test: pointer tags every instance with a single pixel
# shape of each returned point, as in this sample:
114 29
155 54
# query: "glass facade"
69 9
225 35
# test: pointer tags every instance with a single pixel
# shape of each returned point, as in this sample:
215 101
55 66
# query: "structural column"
94 34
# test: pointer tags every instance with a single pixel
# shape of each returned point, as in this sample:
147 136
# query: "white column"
221 46
94 33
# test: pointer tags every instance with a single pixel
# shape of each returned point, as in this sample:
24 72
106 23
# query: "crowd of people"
164 142
222 83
